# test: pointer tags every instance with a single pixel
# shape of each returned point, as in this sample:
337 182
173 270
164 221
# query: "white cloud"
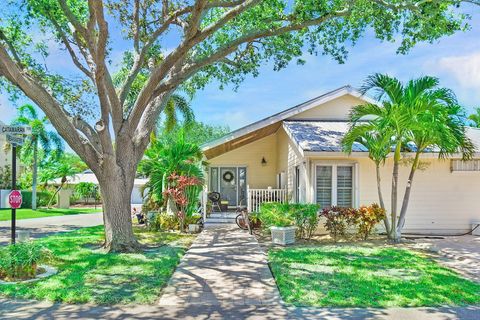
464 69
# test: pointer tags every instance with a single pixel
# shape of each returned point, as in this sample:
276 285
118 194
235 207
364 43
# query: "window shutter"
344 186
324 186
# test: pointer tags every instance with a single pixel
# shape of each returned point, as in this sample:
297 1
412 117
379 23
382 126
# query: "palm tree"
378 144
475 118
66 166
163 158
418 117
40 137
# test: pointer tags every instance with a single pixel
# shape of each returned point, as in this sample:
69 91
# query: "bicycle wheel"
241 223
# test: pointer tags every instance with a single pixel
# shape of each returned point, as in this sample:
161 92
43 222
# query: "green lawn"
362 276
86 274
5 214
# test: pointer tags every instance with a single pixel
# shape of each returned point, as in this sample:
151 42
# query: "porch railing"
255 197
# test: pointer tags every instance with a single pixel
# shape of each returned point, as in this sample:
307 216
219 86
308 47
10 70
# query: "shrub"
303 216
339 219
20 261
306 218
163 221
367 218
274 214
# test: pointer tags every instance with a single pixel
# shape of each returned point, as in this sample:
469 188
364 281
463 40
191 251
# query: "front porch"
253 200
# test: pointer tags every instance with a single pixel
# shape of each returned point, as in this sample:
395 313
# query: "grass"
362 276
5 214
88 275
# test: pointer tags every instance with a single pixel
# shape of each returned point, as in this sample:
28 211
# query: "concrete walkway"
41 227
224 267
461 253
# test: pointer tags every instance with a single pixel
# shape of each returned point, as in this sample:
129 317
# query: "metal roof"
326 136
320 136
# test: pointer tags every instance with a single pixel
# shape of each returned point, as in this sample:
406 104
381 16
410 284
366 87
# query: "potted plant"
278 218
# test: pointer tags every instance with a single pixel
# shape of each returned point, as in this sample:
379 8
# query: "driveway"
460 253
40 227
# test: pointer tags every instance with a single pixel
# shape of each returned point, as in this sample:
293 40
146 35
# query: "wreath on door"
228 176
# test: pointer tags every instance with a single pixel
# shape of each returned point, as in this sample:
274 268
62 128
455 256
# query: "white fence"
255 197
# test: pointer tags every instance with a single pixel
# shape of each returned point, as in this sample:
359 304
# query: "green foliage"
88 275
87 190
356 276
368 218
163 221
20 261
5 177
475 118
162 159
195 132
303 216
5 214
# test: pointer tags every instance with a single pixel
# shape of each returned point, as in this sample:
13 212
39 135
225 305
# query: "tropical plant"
20 261
68 165
48 141
221 41
416 117
475 118
163 158
367 218
86 190
195 132
338 221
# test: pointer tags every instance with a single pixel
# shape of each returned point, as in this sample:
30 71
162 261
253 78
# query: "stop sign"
15 199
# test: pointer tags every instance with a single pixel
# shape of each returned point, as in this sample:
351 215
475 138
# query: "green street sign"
15 129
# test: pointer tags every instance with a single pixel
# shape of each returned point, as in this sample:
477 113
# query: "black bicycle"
243 219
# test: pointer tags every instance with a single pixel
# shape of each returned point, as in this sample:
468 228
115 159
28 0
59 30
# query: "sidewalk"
226 267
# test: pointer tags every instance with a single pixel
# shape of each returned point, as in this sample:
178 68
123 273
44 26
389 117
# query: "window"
334 185
465 166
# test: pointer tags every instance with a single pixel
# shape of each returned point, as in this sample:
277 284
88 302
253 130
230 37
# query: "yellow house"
296 155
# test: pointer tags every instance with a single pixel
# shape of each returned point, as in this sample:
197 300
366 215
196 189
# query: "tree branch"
49 105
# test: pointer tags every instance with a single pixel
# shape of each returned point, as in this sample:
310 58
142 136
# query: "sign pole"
14 187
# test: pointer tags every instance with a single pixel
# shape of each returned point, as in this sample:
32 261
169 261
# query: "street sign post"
15 139
15 129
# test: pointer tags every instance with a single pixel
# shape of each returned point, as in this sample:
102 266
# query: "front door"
231 183
228 185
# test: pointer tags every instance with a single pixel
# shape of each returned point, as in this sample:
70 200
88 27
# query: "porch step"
220 220
220 225
222 215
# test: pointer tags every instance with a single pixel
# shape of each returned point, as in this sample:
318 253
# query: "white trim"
335 164
342 91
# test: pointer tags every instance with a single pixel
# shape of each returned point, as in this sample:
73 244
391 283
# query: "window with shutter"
334 185
324 186
344 186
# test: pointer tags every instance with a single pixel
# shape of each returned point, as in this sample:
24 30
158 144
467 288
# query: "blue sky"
455 60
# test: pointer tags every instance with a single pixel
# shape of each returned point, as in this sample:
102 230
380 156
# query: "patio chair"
214 197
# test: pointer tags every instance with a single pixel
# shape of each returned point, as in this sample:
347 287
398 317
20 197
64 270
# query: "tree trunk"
396 163
406 196
380 196
34 175
116 188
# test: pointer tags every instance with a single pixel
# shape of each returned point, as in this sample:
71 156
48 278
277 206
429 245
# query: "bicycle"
243 219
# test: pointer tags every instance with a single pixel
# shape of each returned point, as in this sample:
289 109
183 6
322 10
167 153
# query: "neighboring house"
89 176
296 155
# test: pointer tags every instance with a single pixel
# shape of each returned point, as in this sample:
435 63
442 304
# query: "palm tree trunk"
406 196
396 163
34 175
54 194
380 196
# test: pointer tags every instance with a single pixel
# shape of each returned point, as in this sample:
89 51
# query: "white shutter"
345 186
324 186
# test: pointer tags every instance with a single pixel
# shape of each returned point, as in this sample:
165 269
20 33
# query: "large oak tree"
173 45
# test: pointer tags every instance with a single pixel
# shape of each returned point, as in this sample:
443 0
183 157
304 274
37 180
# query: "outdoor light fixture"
264 162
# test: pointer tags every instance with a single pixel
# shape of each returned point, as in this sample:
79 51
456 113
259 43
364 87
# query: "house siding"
336 109
440 201
250 156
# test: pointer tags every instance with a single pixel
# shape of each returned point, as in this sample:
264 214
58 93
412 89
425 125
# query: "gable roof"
319 136
269 125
